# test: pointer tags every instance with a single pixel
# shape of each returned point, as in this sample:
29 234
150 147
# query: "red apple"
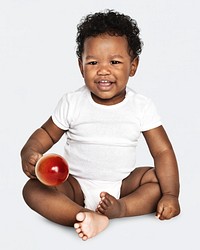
52 169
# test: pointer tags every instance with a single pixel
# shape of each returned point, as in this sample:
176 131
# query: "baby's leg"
64 205
140 193
89 224
59 204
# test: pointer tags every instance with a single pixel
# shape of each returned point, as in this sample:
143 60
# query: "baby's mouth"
104 84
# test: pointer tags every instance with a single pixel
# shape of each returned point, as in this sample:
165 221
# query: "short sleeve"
60 113
150 117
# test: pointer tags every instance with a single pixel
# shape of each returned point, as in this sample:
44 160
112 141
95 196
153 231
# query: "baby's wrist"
171 195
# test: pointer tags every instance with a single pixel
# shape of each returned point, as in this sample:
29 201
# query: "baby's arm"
166 170
38 143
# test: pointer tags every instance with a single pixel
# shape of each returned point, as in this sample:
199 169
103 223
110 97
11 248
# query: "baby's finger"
166 214
34 158
159 211
32 176
30 171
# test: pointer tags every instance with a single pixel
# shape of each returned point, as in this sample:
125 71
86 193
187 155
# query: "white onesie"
101 140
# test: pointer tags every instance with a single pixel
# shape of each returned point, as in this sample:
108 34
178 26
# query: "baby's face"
106 67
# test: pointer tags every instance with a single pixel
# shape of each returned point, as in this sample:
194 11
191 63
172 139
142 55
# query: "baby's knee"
149 177
26 191
29 192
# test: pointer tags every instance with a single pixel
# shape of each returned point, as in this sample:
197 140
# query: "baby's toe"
78 230
100 209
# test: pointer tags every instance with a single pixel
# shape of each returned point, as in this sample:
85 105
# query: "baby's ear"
134 65
80 63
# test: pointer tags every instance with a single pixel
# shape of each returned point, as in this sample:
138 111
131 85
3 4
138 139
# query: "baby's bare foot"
89 224
110 206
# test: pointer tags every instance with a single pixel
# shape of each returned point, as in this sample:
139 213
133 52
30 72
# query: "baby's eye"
92 63
115 62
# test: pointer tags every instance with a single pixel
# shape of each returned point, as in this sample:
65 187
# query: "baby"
103 121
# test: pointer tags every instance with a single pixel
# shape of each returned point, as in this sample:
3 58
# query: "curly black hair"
112 23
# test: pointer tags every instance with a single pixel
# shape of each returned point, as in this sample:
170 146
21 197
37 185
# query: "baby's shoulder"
76 95
137 98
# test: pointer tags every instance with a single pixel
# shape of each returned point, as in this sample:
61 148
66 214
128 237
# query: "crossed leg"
140 193
64 205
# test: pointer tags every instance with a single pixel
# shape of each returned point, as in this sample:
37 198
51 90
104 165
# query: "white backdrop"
38 65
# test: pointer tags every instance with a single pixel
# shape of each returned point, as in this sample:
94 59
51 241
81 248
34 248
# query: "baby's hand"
167 207
29 159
